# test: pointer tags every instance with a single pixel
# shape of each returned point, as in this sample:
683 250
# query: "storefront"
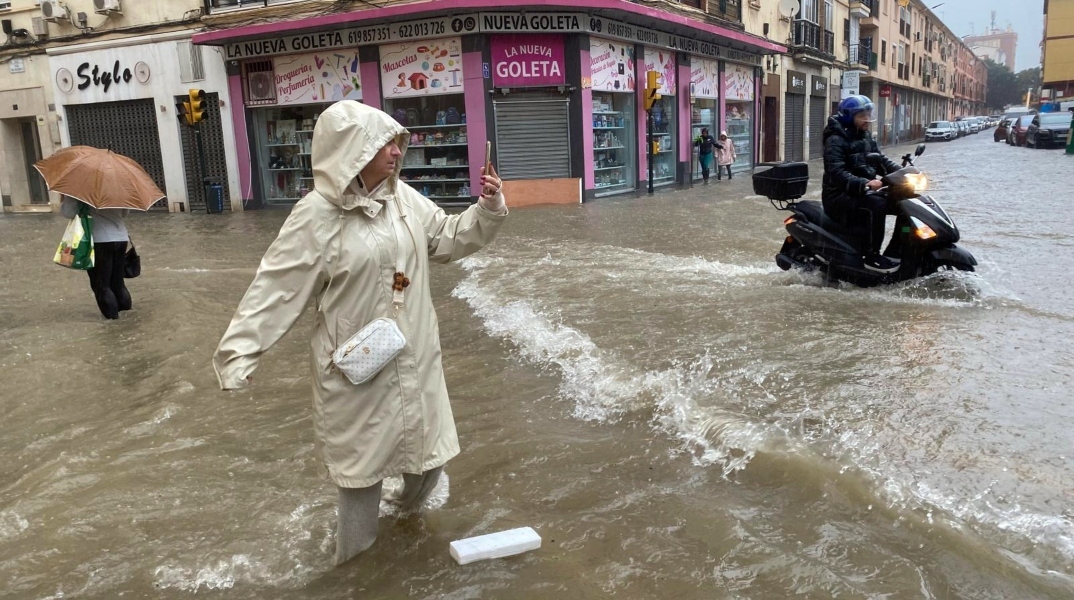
818 115
557 94
704 112
794 117
614 117
740 92
122 94
665 122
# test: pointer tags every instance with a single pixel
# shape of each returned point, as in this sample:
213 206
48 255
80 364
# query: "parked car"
1017 134
1049 129
963 128
940 130
1002 130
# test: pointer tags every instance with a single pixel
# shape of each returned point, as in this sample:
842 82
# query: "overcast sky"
975 16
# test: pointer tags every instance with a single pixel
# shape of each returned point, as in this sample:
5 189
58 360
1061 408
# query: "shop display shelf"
435 167
609 148
279 145
608 112
664 152
595 127
610 168
665 178
437 145
604 186
412 127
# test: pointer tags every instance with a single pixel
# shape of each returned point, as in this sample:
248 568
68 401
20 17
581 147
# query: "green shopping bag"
76 247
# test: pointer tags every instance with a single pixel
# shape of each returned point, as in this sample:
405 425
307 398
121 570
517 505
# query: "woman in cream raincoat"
339 247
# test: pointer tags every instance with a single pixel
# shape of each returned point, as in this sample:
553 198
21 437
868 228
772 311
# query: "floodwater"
634 378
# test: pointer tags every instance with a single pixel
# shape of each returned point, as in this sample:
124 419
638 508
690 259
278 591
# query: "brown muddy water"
634 378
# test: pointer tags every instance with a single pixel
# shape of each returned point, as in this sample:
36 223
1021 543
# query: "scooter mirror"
920 150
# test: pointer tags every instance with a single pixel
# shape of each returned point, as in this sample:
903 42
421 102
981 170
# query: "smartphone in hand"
488 156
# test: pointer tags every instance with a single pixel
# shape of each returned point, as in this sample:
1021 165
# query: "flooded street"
634 378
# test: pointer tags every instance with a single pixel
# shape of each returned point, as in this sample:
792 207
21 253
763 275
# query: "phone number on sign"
366 36
421 29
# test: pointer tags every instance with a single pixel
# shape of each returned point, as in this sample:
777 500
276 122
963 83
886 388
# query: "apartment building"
1058 51
896 52
108 73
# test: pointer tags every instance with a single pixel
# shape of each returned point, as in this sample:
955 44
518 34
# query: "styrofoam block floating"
495 545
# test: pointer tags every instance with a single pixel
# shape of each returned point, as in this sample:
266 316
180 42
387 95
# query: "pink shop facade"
556 90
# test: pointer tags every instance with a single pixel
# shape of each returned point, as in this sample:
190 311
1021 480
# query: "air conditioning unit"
53 11
104 7
261 86
39 27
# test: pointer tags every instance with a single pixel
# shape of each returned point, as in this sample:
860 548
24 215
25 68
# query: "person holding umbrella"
108 185
109 250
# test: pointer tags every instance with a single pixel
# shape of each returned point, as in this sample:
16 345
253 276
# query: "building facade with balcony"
914 68
108 74
1058 51
556 86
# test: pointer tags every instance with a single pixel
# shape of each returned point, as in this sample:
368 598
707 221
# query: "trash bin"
214 200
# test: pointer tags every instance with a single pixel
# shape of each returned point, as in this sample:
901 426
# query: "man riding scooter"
850 179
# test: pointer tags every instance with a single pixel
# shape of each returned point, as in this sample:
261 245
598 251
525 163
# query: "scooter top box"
784 181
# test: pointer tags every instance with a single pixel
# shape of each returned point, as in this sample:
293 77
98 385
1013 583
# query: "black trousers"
106 278
719 171
863 216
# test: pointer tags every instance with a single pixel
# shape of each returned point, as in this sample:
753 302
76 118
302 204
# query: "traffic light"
182 111
196 108
653 80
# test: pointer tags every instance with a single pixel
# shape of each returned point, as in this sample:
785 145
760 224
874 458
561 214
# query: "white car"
940 130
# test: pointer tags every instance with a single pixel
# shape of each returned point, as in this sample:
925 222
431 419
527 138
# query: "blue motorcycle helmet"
853 105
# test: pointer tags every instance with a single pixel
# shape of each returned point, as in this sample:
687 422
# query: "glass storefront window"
613 143
702 116
664 129
738 113
436 163
284 137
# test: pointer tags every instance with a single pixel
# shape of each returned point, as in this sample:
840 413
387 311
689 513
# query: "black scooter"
924 240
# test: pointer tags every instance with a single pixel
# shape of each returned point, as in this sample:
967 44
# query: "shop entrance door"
818 108
794 136
128 128
771 129
31 149
533 137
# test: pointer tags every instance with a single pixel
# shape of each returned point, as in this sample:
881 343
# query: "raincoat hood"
340 129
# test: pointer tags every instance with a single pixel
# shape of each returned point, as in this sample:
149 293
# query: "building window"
829 15
883 51
809 11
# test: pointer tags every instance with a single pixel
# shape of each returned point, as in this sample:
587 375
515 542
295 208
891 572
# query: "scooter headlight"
919 182
921 230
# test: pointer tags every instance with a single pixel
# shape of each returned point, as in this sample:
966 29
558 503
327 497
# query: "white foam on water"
603 387
393 487
12 525
150 426
221 575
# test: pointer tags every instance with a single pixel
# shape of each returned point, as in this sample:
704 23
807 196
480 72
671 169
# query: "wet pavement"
633 377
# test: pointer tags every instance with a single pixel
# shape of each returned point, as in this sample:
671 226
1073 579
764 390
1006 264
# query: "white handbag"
367 352
370 350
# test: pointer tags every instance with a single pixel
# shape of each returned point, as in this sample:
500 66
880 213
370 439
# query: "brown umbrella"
99 177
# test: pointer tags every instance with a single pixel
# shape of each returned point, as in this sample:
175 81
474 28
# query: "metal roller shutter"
128 128
533 138
817 120
794 132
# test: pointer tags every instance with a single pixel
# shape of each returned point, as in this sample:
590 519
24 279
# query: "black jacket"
845 170
705 144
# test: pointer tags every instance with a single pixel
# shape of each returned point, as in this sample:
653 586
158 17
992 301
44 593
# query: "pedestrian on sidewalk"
705 144
109 255
358 243
725 155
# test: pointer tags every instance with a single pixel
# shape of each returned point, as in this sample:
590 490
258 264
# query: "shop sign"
16 65
740 56
663 62
704 78
852 81
101 77
739 83
317 77
796 82
819 87
427 68
528 60
515 22
885 91
611 65
651 37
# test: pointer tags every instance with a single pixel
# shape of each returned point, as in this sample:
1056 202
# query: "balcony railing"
870 5
861 54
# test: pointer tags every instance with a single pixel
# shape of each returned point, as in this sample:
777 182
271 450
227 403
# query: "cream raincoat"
338 247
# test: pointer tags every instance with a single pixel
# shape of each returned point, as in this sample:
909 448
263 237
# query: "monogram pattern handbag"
376 345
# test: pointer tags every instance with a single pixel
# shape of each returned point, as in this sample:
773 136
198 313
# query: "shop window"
436 163
284 136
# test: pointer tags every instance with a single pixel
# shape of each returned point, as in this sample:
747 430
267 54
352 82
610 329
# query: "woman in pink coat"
725 155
